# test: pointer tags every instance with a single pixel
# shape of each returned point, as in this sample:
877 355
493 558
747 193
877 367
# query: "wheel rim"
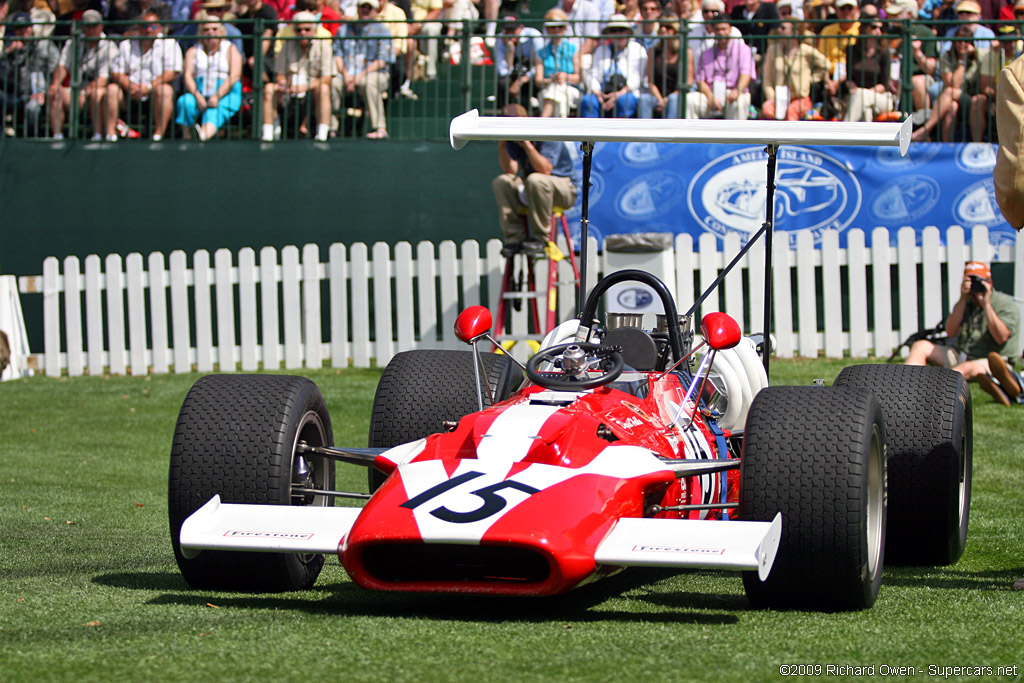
963 475
311 431
875 504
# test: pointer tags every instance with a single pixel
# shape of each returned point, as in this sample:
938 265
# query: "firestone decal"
677 549
297 536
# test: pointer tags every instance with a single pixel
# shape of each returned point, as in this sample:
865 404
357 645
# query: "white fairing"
692 543
743 375
265 528
562 334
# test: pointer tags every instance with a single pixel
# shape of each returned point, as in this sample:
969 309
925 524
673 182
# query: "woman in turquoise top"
558 68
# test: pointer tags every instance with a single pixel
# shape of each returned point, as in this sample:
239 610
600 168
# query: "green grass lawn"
89 589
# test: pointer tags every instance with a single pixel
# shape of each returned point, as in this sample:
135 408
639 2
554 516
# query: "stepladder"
521 287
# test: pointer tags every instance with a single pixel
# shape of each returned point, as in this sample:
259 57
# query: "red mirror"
472 323
720 331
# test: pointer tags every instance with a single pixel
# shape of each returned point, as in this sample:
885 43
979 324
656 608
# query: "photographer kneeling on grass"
983 332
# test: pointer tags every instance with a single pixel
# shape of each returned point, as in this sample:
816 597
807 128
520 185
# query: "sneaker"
157 137
58 136
321 137
993 390
96 137
1007 382
407 92
534 249
112 138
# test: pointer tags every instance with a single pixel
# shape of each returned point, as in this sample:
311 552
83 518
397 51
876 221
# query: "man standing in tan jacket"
1009 175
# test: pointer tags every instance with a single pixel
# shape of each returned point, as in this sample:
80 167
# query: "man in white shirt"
702 37
144 71
95 56
615 74
584 23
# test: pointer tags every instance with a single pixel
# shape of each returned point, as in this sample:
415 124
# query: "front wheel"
817 455
236 436
421 390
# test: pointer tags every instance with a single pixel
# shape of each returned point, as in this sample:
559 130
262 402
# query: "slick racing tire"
817 455
236 436
929 423
421 390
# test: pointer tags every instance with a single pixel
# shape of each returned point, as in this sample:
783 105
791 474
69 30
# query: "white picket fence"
363 304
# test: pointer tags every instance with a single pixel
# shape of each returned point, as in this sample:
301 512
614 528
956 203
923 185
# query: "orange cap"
979 269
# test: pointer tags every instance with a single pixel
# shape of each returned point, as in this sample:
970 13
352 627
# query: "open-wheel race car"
623 446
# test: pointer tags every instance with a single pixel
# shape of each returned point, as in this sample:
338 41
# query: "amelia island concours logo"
813 191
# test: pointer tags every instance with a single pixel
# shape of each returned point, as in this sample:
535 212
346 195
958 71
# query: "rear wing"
472 126
771 134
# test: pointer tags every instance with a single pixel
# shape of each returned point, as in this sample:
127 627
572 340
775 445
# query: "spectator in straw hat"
217 10
968 13
616 73
983 331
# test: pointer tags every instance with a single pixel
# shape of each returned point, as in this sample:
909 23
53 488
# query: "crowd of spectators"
182 67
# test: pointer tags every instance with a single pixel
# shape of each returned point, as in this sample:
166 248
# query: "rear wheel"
420 390
929 423
817 455
236 437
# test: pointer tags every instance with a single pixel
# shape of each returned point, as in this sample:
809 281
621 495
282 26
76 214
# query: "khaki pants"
372 89
697 106
543 194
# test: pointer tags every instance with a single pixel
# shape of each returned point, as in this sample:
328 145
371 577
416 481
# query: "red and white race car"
622 447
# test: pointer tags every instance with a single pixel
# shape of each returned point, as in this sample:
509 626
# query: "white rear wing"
472 126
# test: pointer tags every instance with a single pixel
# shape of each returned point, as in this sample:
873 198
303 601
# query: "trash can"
647 251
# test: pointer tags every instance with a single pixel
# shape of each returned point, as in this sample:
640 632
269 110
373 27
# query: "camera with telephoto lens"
977 285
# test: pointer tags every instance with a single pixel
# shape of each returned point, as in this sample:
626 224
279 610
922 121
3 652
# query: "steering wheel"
609 357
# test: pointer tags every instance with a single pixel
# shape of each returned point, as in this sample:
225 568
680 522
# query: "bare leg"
163 107
978 117
114 96
924 352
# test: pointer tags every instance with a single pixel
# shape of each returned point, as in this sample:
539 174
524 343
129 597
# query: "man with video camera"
983 332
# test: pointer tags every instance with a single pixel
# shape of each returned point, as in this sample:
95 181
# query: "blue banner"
648 187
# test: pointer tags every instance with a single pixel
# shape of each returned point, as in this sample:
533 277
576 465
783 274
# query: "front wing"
705 544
